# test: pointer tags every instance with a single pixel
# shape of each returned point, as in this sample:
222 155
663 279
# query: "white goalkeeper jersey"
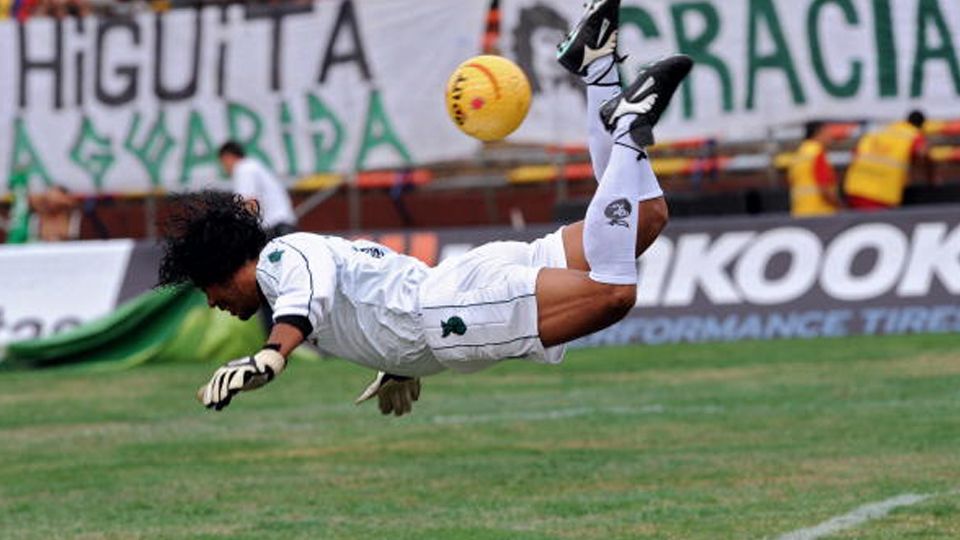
360 298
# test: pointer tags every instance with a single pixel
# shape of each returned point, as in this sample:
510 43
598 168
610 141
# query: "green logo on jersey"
275 256
454 325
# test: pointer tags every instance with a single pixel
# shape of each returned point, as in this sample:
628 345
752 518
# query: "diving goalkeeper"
392 313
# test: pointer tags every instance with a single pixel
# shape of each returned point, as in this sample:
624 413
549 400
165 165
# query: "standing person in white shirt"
392 313
263 192
254 182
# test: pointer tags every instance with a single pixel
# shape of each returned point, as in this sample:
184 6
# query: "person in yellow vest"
881 168
813 182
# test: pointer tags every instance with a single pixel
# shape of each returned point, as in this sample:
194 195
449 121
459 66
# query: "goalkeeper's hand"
241 375
395 393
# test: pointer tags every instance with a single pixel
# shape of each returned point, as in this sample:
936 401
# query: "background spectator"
256 183
813 182
881 167
56 215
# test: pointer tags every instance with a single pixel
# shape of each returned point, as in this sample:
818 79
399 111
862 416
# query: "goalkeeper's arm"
395 393
252 372
288 333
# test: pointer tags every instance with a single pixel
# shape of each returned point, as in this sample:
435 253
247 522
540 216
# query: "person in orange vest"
881 167
813 182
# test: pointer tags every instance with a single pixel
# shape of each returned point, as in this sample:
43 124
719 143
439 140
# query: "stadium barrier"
51 288
719 280
740 278
766 278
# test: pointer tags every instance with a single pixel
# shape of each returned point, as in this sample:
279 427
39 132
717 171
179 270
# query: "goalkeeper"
390 312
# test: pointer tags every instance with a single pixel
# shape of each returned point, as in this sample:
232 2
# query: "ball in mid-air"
488 97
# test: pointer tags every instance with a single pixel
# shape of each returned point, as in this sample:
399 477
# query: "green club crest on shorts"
453 325
275 256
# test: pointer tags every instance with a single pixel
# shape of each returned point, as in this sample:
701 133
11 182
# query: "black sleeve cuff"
298 321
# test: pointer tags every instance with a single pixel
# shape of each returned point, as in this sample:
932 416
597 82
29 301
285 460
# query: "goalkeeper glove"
241 375
395 393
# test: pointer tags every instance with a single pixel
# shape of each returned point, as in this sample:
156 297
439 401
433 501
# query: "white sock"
603 83
610 227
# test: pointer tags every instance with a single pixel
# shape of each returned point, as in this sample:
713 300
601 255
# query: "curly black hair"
208 236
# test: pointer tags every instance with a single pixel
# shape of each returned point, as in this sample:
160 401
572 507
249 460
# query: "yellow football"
488 97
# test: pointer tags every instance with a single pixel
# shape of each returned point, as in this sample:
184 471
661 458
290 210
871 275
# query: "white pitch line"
857 517
567 413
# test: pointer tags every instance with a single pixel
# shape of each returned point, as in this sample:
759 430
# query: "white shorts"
481 307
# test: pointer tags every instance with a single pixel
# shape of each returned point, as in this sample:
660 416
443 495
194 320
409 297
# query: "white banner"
48 288
760 63
126 105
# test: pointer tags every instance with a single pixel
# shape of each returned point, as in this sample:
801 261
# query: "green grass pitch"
747 440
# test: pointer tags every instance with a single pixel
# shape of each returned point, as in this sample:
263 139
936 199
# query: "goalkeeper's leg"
589 50
572 303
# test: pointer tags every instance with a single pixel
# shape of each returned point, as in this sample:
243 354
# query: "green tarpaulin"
164 325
